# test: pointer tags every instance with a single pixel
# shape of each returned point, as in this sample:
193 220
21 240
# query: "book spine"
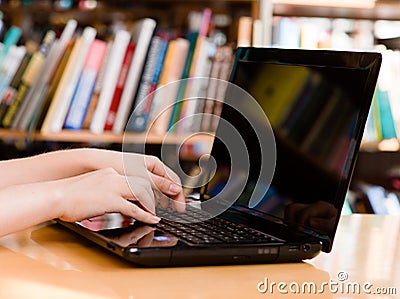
49 93
97 88
151 73
85 87
11 91
194 90
123 75
177 108
117 53
29 77
172 71
142 37
28 115
221 88
10 66
245 29
11 38
60 103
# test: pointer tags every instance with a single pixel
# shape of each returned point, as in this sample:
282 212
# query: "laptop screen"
316 103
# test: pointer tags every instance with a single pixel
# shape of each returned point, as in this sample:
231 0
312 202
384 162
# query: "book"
168 87
200 68
10 66
225 71
245 29
212 93
177 106
148 83
141 35
385 114
11 38
117 52
58 109
266 15
84 90
257 38
123 75
30 109
97 88
30 75
196 90
11 91
41 111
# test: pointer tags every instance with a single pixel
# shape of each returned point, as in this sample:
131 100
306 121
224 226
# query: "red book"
123 74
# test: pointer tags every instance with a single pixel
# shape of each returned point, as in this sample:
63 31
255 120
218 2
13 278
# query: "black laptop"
317 103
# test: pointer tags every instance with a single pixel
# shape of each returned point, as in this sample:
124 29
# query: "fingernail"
155 218
174 188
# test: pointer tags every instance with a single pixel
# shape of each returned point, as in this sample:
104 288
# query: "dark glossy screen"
317 115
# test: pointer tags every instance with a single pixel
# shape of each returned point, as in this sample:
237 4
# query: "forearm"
56 165
22 206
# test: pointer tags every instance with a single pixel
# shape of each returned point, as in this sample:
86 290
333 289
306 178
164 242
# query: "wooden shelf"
107 137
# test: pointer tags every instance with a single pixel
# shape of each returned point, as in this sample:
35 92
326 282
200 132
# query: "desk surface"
50 262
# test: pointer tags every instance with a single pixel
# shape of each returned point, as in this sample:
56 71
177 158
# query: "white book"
141 37
121 41
58 109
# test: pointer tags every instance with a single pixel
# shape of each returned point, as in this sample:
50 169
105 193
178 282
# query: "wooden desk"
50 262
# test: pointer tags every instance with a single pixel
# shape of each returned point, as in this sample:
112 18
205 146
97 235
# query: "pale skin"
77 184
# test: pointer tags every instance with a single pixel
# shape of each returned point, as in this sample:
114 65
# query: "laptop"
296 171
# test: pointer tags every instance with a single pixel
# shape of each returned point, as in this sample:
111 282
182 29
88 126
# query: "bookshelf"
378 164
36 17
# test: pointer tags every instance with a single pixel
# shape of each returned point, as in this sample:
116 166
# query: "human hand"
147 167
103 191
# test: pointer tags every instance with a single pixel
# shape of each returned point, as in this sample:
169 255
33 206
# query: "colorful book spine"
199 68
11 91
386 115
168 88
29 76
143 32
58 109
10 66
97 88
120 44
28 114
84 90
148 83
12 36
177 107
123 75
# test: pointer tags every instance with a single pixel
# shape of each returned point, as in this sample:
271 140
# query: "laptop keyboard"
215 230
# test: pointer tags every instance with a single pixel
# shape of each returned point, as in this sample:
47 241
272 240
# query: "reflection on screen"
313 112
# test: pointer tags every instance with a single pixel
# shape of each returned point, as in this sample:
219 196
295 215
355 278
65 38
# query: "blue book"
148 84
11 38
386 117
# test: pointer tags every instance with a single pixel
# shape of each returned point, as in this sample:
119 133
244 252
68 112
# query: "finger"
155 166
132 210
169 188
165 185
142 194
161 199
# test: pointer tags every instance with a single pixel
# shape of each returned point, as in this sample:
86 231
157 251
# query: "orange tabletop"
48 261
